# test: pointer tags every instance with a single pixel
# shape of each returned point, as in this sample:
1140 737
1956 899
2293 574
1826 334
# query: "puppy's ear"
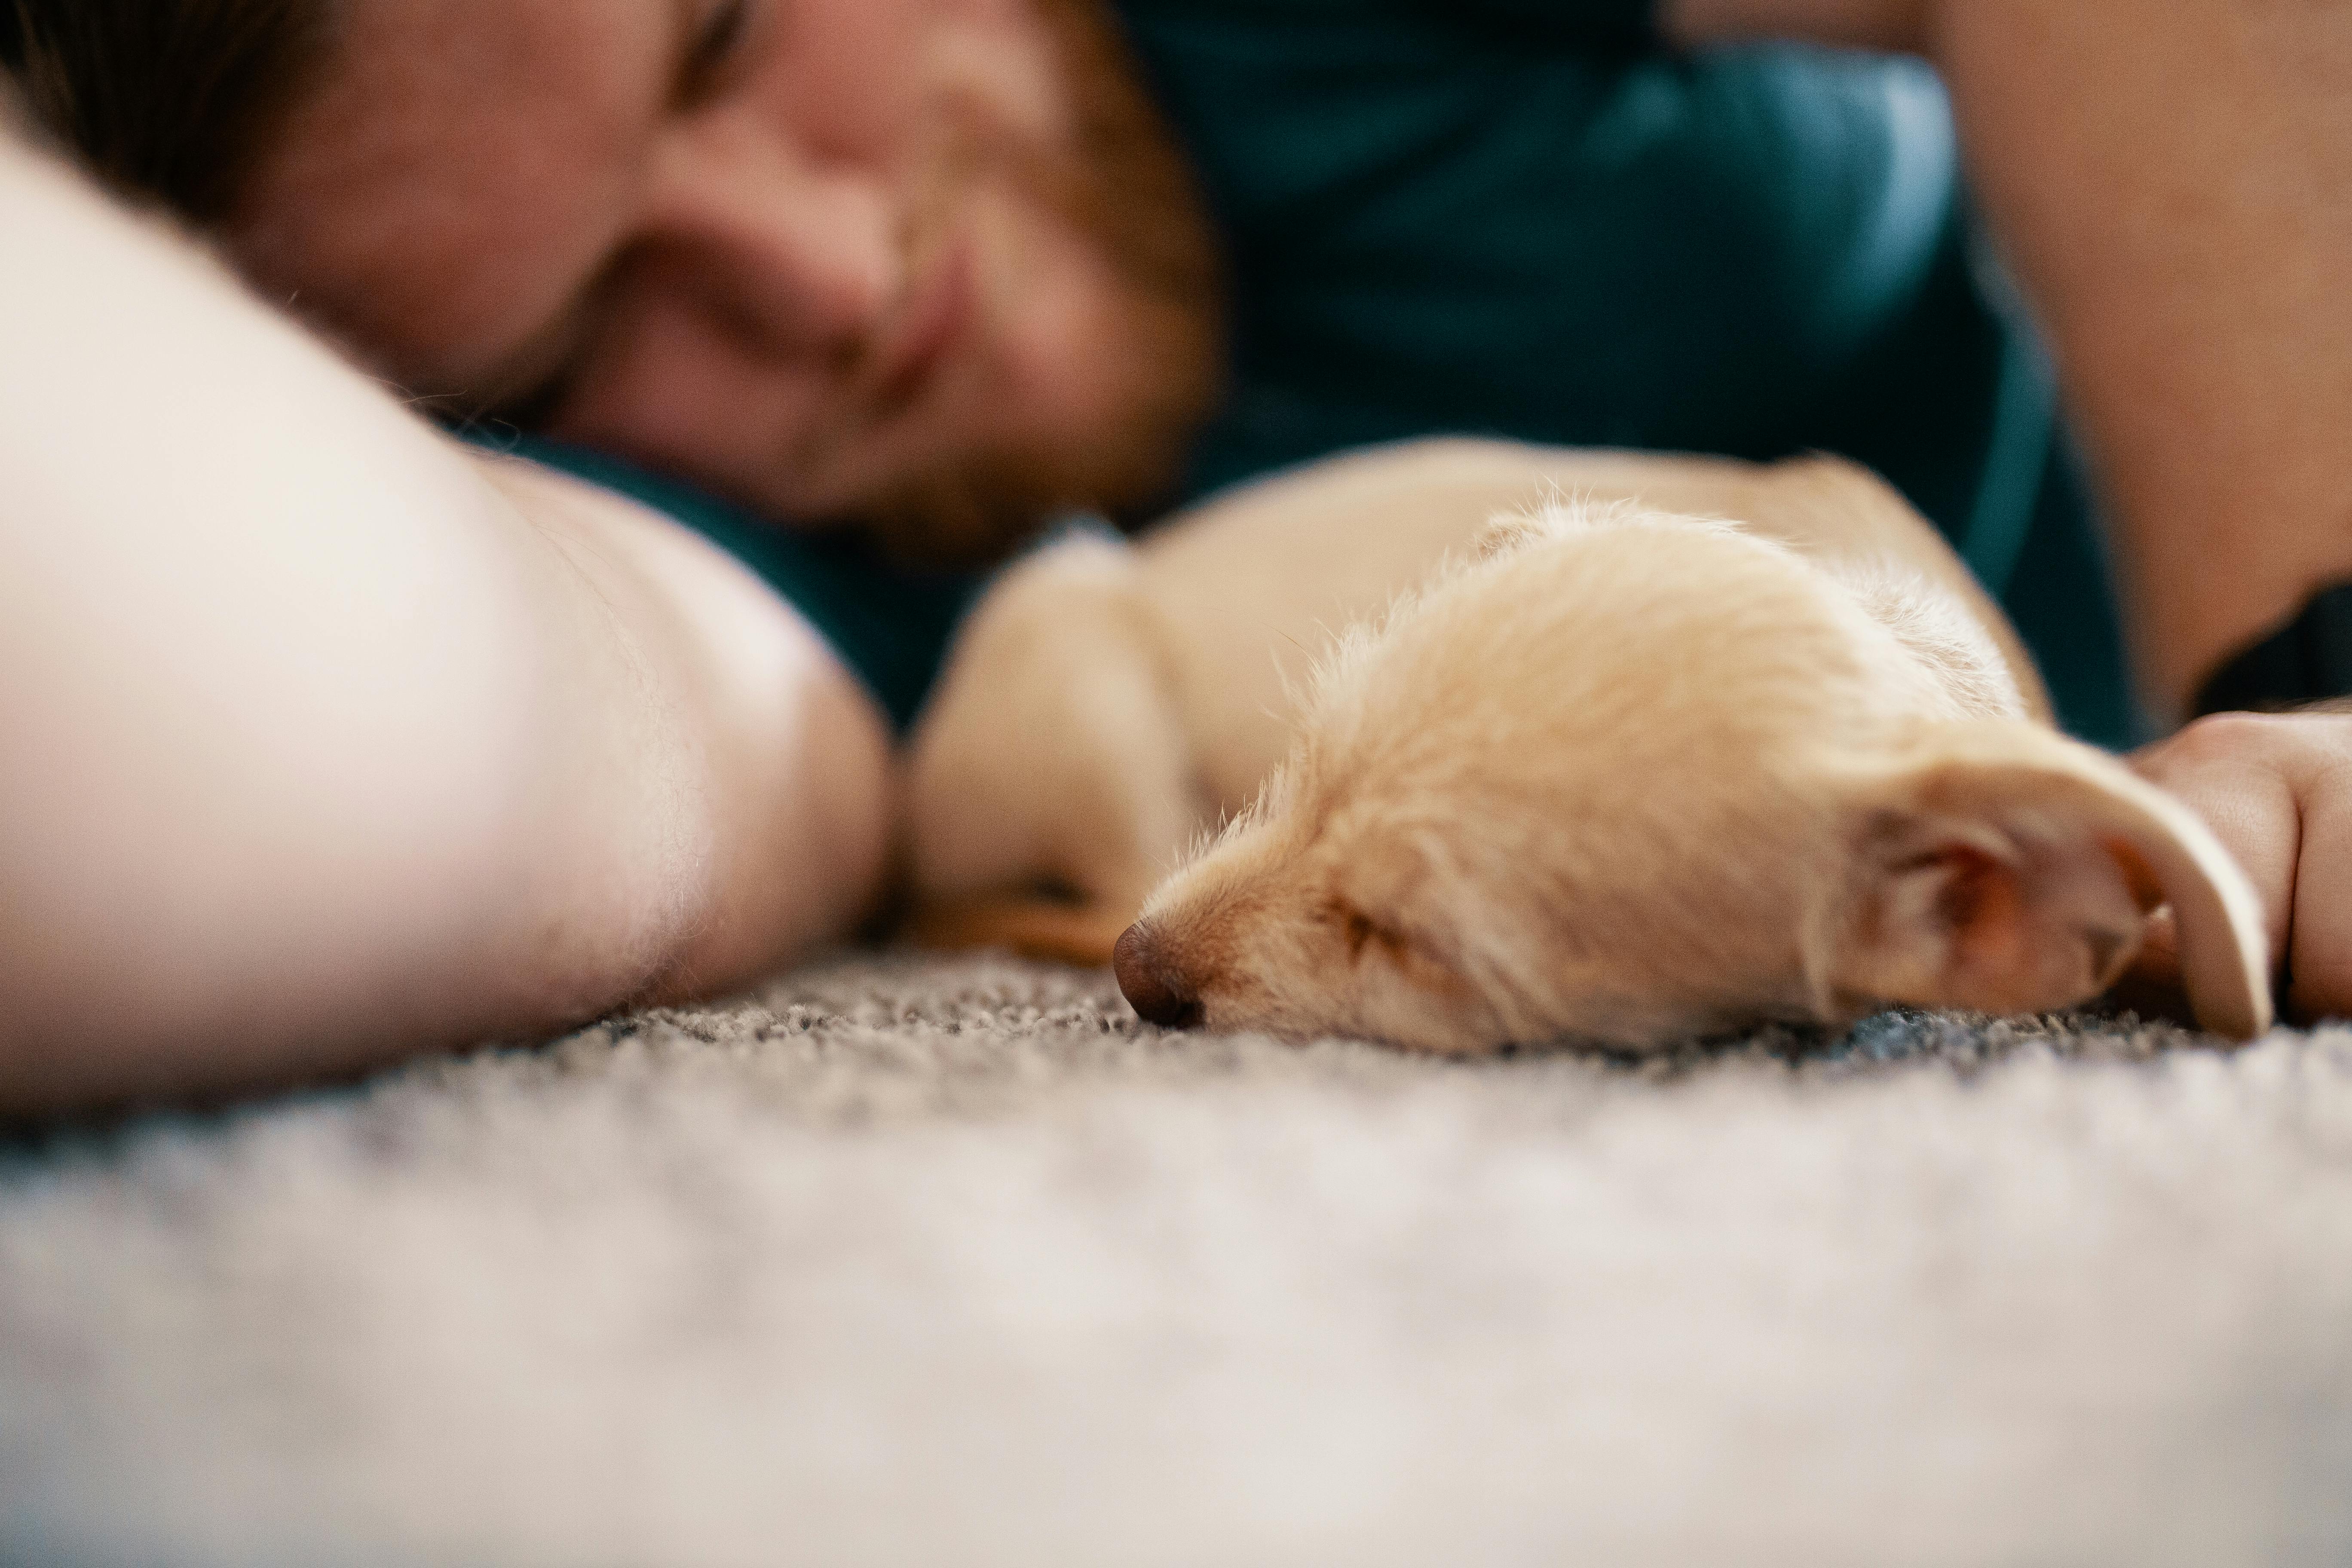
2005 870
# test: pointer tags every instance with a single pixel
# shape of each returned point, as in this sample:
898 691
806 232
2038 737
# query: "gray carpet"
936 1264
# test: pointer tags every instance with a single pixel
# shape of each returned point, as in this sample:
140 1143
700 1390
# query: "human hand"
2277 789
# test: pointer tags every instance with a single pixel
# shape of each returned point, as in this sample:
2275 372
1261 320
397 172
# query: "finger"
2321 964
2251 807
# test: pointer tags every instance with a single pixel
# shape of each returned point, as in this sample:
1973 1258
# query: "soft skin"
2277 789
328 744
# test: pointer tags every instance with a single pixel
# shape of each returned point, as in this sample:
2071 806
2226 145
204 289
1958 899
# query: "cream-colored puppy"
1625 776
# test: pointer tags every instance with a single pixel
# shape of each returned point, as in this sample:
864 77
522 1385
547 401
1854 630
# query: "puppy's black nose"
1154 989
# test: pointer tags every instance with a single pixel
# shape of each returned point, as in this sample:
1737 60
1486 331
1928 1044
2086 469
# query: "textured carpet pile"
904 1262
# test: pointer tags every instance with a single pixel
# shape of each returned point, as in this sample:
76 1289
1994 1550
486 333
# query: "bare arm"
322 743
2174 184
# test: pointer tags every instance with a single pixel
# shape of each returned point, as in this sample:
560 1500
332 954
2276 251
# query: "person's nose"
1154 988
804 254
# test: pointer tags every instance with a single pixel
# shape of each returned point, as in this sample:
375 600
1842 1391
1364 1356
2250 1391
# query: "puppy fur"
1619 772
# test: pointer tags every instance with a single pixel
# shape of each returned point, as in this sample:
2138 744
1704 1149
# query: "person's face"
926 263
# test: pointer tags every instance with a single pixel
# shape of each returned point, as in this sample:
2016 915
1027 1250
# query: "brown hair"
166 100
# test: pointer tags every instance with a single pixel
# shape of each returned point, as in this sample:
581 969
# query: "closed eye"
712 50
1413 962
1360 930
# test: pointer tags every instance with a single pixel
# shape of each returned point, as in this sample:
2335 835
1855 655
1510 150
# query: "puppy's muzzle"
1154 988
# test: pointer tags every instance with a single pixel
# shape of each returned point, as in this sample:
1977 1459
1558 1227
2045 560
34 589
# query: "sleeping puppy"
1621 774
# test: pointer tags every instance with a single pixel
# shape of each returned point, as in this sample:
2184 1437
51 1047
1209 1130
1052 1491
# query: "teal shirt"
1443 215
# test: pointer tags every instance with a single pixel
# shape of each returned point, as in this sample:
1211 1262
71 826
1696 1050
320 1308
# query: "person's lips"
937 314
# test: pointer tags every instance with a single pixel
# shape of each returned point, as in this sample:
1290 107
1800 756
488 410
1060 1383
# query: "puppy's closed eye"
1409 960
1360 931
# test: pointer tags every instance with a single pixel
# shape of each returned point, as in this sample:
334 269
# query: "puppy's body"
1593 731
1107 703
